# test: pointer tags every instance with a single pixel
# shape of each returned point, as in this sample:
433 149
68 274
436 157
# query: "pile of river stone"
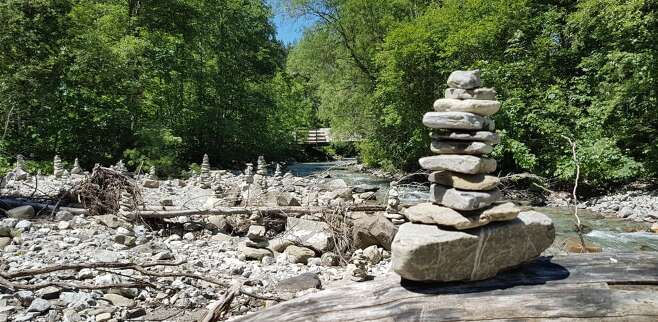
465 233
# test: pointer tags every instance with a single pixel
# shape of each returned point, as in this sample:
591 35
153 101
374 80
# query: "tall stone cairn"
465 233
58 169
76 167
204 176
205 166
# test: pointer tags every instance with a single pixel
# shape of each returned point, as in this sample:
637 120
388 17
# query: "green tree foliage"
584 69
156 82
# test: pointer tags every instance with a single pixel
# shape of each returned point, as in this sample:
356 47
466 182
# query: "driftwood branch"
219 308
579 225
141 268
13 286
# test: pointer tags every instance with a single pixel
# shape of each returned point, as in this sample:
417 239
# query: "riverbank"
225 247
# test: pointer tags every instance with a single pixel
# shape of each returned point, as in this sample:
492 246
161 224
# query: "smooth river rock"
477 94
464 181
460 147
482 136
465 79
458 121
429 253
468 164
479 107
462 199
431 214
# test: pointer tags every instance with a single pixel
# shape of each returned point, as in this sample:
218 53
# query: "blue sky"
288 29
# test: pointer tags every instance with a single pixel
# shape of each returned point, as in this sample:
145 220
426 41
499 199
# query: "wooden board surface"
614 287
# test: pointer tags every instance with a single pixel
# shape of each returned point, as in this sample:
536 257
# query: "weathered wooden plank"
565 287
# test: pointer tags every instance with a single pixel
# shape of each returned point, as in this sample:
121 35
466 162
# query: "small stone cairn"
121 167
465 233
19 174
261 166
278 176
76 167
151 179
58 168
393 206
357 269
249 174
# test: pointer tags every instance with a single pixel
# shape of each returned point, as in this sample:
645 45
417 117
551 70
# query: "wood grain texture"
579 286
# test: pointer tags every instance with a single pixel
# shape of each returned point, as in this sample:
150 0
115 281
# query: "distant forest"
162 82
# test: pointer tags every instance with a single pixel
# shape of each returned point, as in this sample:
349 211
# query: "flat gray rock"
468 164
299 283
457 121
465 79
479 107
477 94
481 136
373 230
22 212
462 199
431 214
464 181
429 253
309 233
460 147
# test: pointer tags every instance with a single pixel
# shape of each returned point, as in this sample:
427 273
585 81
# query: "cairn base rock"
429 253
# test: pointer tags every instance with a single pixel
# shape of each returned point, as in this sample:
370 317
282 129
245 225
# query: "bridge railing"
313 136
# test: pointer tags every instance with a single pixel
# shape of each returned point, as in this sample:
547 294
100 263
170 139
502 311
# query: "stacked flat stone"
465 233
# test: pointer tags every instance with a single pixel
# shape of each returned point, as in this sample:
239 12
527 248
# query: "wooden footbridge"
320 136
593 287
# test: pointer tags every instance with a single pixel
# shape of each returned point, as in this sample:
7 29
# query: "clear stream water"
612 234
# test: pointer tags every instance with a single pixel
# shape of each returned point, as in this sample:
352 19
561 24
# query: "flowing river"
611 234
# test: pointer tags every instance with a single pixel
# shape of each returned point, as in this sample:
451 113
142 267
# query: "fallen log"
281 211
41 206
170 213
600 287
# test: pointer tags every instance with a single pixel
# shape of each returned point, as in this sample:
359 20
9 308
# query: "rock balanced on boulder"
465 232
